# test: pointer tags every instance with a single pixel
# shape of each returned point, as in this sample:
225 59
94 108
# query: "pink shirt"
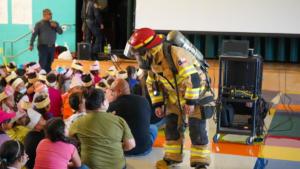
53 155
55 102
97 79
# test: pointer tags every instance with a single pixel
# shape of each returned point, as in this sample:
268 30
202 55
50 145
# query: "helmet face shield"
130 52
140 55
140 44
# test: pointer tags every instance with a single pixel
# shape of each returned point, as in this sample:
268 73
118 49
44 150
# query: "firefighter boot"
200 166
165 164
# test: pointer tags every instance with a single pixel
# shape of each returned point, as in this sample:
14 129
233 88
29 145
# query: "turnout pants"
200 153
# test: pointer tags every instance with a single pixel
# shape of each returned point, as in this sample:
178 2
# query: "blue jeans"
153 134
83 167
46 56
160 123
95 31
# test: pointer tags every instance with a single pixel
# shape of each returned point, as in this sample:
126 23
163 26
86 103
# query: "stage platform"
281 77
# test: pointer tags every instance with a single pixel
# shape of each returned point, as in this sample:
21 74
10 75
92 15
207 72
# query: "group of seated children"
69 118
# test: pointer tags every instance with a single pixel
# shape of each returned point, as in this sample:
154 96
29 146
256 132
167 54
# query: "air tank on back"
180 40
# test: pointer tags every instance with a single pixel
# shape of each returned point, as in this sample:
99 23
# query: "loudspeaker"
235 48
84 51
241 73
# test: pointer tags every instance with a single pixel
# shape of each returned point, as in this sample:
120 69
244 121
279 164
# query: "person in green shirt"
19 130
103 136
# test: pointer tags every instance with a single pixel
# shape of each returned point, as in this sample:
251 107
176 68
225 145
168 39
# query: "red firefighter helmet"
144 38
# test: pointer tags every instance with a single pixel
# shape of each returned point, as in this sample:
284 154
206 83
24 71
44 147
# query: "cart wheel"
259 139
216 138
249 140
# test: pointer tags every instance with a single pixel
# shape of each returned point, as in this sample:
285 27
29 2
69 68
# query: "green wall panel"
63 12
294 48
257 45
281 50
209 47
269 49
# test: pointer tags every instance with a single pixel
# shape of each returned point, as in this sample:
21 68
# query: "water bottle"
108 49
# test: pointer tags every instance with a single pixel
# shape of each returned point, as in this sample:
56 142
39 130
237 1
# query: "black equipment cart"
240 83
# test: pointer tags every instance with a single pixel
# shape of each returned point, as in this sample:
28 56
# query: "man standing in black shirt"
136 111
92 25
46 30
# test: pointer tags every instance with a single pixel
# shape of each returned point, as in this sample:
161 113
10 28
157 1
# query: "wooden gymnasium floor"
276 77
281 146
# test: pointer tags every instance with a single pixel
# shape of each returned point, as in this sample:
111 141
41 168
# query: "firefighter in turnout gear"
177 90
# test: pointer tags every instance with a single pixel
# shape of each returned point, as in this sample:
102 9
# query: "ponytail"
3 163
10 152
55 130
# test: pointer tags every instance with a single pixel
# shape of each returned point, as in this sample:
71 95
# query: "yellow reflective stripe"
172 148
192 93
148 39
191 96
172 151
199 155
149 80
186 71
202 88
199 152
138 46
156 99
192 90
143 43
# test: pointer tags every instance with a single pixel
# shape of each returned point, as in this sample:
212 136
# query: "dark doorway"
78 21
118 20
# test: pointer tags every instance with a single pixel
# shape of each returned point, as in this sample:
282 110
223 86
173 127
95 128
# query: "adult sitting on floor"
103 136
136 111
12 155
56 151
33 138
